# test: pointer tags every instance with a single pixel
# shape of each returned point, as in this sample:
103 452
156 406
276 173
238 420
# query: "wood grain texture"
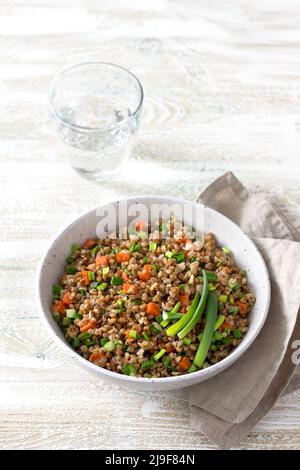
221 83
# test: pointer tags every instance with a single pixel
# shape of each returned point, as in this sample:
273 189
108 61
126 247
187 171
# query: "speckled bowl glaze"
228 234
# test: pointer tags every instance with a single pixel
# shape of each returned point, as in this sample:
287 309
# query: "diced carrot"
85 277
101 260
225 325
123 257
139 225
59 306
96 356
145 274
184 363
184 299
129 288
67 298
123 275
90 243
152 309
183 309
87 326
242 307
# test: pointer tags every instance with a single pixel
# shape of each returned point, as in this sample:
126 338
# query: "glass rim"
58 77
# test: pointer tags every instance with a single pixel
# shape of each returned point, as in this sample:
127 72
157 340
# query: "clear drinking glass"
96 107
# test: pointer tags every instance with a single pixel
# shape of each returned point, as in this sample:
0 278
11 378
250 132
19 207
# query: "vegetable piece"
82 291
78 316
186 341
173 329
91 275
169 254
71 269
226 250
139 225
123 275
182 286
152 309
133 334
145 274
85 277
116 281
66 321
105 271
123 257
128 336
134 247
129 369
94 285
142 235
74 248
130 289
223 299
233 310
70 312
83 336
237 333
184 299
158 355
76 342
242 307
147 364
56 288
233 284
211 315
145 259
101 260
102 286
88 326
67 298
192 368
90 243
211 276
220 320
152 246
178 256
136 301
95 250
184 363
103 341
110 346
172 315
211 287
146 337
199 310
59 306
96 356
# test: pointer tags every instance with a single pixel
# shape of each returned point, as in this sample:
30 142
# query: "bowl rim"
202 374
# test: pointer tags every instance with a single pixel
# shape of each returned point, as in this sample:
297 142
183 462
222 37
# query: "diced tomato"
145 274
152 309
123 257
129 288
59 306
101 260
90 243
67 298
242 307
85 277
184 363
184 300
139 225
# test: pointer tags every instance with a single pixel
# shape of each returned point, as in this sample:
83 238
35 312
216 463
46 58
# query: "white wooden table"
222 85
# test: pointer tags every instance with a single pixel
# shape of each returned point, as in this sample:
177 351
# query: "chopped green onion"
56 288
134 247
211 276
160 318
89 342
192 368
154 329
137 302
103 341
146 259
237 333
116 250
231 300
211 287
116 281
76 342
120 304
156 267
179 257
226 250
95 250
82 291
129 369
94 285
133 334
91 275
182 286
176 327
70 259
83 336
102 286
78 316
220 320
157 356
110 346
105 270
166 361
147 364
213 347
169 254
75 247
57 317
70 312
71 269
186 341
142 235
152 246
233 310
66 321
157 326
234 285
147 337
223 299
218 336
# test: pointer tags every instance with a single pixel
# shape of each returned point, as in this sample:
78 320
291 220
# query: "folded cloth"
227 406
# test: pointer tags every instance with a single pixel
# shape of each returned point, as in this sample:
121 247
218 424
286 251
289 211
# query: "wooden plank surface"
221 83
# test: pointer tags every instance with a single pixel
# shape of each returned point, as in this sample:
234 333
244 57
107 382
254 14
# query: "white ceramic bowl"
228 234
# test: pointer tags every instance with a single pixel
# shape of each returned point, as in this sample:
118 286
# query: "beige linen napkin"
227 406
